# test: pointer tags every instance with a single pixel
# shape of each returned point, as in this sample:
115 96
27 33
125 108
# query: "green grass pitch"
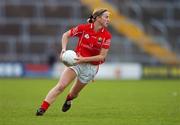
143 102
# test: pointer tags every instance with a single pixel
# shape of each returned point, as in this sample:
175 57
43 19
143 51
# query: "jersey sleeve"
107 42
77 31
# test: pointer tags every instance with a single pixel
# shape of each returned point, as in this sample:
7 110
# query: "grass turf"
144 102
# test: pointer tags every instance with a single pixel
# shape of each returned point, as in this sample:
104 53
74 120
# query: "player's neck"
97 26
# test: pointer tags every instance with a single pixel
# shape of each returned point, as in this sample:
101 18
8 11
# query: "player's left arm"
100 57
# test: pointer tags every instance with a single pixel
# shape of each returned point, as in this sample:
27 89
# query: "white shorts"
85 71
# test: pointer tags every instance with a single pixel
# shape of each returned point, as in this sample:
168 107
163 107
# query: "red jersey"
90 42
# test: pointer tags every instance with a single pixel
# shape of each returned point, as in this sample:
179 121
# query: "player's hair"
95 14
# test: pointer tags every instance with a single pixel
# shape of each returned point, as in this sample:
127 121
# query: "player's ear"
98 17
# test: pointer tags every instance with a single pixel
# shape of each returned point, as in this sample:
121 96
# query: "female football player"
92 48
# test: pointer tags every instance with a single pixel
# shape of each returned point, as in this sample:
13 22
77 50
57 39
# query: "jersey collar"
92 27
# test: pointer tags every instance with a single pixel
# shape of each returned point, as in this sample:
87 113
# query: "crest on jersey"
86 36
100 39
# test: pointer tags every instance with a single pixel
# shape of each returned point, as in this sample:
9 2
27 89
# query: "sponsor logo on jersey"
100 39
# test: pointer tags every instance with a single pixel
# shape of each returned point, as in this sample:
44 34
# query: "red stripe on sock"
45 105
69 97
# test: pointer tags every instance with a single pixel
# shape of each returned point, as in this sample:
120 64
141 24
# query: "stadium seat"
17 11
44 29
3 47
20 47
9 29
37 47
84 12
177 13
173 31
173 35
150 12
57 11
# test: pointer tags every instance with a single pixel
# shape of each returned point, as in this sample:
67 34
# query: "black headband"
101 12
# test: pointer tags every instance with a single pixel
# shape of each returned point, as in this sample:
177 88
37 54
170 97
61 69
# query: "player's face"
104 20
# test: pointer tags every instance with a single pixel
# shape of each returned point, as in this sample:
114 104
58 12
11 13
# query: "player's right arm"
76 31
65 38
64 41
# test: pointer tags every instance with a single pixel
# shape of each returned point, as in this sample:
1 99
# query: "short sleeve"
77 31
107 42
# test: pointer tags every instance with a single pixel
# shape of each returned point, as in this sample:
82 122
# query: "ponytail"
90 19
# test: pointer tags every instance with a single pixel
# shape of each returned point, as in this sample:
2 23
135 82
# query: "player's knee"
61 86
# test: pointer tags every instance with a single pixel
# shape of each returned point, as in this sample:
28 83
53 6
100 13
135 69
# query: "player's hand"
80 59
62 51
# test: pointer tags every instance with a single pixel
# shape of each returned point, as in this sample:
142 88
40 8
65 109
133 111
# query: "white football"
68 58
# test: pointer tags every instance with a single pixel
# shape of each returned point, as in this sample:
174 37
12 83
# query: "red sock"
45 105
69 97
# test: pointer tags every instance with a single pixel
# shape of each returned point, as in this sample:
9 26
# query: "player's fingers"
77 58
61 54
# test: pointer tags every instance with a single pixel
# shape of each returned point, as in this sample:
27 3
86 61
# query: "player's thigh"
66 78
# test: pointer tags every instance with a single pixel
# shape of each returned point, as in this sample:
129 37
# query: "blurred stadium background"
146 35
